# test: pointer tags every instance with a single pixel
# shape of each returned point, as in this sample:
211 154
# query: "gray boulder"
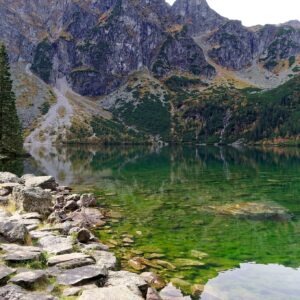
84 235
30 278
56 244
87 200
32 199
13 231
17 253
133 281
111 293
104 258
9 177
82 275
5 272
44 182
14 292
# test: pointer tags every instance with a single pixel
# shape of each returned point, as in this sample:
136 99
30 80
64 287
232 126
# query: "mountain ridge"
95 48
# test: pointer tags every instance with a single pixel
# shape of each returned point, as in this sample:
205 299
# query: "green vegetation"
176 83
11 141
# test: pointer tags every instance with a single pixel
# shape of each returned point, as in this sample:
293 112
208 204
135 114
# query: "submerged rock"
153 280
252 210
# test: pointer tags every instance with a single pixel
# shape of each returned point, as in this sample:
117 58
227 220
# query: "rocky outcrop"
197 16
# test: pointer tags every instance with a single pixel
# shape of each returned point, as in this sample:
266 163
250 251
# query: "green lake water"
163 193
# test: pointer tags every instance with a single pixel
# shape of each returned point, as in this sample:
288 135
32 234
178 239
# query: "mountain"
142 71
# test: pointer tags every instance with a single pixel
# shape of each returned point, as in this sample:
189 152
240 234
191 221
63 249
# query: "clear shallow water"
162 193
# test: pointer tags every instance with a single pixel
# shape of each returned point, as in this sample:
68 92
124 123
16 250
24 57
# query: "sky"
254 12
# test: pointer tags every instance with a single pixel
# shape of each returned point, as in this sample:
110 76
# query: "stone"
56 244
197 289
44 182
32 215
128 240
124 278
37 234
26 176
87 200
152 294
136 264
57 216
95 246
5 272
153 280
4 200
71 261
17 253
14 292
9 186
9 177
83 235
165 264
185 262
172 293
13 231
183 285
110 293
32 199
198 254
82 275
29 279
106 259
73 197
70 206
73 291
4 192
253 210
87 217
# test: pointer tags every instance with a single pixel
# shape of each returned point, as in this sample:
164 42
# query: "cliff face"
198 16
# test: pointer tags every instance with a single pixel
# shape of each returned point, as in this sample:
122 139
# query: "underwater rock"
252 210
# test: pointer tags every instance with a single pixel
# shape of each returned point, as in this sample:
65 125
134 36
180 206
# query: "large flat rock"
56 244
29 278
82 275
5 272
71 261
123 278
44 182
110 293
17 253
14 292
87 217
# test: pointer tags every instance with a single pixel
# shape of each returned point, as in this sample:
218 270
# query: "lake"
170 201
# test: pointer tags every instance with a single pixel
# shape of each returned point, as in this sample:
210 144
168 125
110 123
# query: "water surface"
162 193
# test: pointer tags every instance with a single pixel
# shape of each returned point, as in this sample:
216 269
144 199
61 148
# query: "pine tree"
11 141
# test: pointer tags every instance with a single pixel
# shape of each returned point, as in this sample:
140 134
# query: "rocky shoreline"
48 249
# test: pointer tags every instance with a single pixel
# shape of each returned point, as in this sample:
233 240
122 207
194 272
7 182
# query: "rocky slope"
126 70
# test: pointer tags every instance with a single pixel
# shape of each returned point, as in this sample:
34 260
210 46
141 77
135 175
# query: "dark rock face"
181 52
96 45
236 46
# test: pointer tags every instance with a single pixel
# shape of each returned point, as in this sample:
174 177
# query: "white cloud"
253 12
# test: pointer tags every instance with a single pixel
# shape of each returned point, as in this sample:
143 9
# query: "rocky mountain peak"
198 15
